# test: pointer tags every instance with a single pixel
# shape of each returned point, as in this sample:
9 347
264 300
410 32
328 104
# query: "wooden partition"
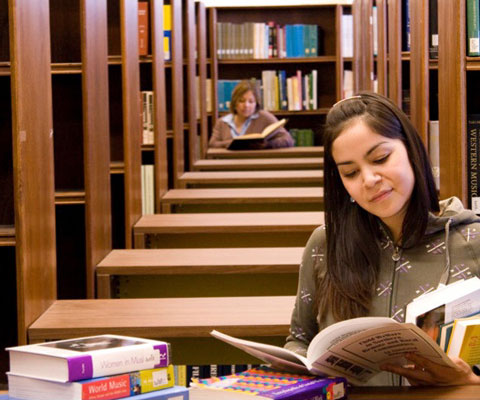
96 138
395 51
33 159
452 98
191 90
419 68
362 51
159 102
202 74
131 115
177 92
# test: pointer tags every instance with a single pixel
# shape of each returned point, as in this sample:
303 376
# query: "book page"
269 129
266 352
363 353
335 333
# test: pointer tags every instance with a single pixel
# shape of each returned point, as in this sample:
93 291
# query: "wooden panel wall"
131 115
96 137
33 159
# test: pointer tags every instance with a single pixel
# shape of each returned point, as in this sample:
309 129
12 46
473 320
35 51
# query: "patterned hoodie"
450 251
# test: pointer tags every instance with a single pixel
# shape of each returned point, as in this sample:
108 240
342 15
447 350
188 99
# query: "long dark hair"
352 233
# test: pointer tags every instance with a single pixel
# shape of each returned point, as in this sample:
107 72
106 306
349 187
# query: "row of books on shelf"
302 137
143 29
259 40
278 92
148 189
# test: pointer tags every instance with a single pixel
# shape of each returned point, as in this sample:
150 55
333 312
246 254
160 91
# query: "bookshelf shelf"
473 64
328 64
303 60
70 197
7 236
4 68
66 68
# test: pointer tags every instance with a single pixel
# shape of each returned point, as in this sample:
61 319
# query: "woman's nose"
370 178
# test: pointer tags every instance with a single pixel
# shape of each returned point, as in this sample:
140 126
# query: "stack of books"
94 368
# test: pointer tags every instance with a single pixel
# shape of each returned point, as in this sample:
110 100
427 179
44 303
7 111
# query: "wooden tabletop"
244 195
308 151
201 261
396 393
245 177
261 222
164 318
258 164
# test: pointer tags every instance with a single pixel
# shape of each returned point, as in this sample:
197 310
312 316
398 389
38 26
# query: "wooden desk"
276 260
269 229
415 393
243 199
252 178
165 318
310 151
244 164
403 393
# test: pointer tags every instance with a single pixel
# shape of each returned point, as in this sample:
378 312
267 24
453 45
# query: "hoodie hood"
450 210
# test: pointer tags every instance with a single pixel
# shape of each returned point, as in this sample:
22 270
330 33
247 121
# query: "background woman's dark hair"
242 88
352 251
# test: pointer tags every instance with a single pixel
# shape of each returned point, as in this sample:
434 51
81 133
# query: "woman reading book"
387 237
246 117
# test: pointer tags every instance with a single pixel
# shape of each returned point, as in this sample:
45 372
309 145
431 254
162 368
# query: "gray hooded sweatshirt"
449 252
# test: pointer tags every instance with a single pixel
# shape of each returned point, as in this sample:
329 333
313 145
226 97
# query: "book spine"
433 28
118 386
142 28
118 362
473 28
473 128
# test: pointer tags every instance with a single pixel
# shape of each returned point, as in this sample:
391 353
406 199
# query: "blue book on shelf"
299 44
174 393
220 95
289 40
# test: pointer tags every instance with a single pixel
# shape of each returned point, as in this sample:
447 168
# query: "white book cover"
87 357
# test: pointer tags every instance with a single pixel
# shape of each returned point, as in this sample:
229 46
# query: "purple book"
88 357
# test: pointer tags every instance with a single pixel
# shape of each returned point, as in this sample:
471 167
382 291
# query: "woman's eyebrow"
372 149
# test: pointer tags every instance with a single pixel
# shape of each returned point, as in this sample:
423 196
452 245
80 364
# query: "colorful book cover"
104 388
266 383
88 357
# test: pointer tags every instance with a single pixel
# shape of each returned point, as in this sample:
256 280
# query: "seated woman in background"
382 216
247 117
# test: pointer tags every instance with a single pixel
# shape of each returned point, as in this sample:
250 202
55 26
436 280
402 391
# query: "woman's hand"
426 372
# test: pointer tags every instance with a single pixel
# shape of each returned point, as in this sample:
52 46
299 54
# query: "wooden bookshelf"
329 63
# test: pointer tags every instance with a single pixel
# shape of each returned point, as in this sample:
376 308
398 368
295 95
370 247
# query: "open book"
354 349
244 142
